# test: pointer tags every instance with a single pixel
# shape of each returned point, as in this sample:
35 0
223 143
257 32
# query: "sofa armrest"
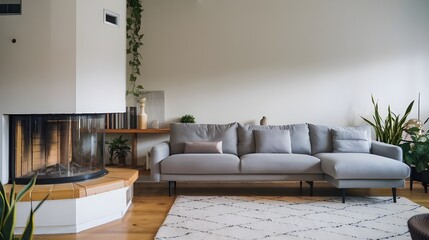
386 150
159 152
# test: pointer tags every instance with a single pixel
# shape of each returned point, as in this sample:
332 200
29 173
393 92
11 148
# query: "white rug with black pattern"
269 217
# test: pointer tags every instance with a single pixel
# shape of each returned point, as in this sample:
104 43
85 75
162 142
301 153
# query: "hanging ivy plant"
134 39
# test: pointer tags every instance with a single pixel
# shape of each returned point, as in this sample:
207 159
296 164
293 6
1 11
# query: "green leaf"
9 223
29 228
134 38
12 195
3 208
26 188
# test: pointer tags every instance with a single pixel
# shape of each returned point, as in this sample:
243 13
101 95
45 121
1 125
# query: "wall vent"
111 18
10 7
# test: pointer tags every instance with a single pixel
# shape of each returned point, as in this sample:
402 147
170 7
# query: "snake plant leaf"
26 188
4 206
8 208
2 209
12 195
29 228
8 217
9 224
390 128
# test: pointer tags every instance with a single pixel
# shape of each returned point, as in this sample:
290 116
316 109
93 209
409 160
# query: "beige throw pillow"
203 147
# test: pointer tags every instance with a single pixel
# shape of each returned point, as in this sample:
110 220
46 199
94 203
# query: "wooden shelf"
138 131
134 135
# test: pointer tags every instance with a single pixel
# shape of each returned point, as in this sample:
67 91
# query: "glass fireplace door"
58 147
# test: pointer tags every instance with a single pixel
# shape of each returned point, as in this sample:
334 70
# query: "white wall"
65 59
292 61
38 71
101 57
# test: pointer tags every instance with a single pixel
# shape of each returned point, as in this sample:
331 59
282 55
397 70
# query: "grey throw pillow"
350 140
272 141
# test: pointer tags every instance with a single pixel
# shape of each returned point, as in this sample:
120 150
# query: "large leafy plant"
134 42
390 129
8 212
416 150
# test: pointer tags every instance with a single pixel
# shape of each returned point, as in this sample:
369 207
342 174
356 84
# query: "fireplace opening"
60 148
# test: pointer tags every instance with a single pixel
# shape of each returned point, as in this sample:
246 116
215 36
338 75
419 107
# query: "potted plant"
118 149
390 129
416 155
187 119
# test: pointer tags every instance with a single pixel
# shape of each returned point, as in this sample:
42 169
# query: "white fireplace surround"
4 148
60 57
75 215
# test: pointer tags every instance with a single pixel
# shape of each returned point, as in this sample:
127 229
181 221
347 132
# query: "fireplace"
60 148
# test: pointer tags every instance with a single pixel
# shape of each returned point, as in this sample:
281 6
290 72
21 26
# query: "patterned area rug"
268 217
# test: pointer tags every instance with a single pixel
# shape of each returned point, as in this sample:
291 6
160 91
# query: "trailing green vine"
134 39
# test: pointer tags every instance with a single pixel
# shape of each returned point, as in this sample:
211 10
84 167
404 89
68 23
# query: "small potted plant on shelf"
416 155
187 119
118 149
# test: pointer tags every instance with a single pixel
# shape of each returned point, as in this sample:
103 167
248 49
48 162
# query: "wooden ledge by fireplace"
116 178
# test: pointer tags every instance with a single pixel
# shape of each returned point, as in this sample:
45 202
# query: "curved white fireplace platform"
74 207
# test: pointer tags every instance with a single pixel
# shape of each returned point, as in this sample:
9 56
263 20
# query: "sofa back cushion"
299 135
191 132
272 141
350 140
321 137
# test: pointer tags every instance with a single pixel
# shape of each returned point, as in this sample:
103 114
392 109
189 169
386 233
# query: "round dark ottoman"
419 226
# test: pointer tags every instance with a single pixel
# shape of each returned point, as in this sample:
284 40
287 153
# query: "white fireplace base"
76 215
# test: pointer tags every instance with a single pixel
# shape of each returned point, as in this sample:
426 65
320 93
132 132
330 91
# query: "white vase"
142 117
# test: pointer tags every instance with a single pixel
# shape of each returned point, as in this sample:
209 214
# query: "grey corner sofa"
344 157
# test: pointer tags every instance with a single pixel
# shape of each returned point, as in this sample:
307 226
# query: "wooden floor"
151 204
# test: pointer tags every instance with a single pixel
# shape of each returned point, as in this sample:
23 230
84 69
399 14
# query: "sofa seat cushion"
362 166
201 164
278 163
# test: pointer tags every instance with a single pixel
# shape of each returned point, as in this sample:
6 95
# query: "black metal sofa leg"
171 187
343 195
311 187
394 194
